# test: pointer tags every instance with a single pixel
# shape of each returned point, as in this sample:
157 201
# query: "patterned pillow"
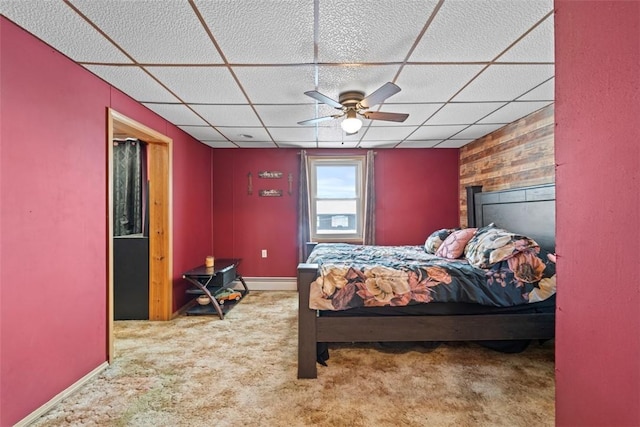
453 246
436 238
492 244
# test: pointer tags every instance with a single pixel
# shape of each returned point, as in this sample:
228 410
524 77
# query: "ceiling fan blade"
323 98
390 117
316 120
383 92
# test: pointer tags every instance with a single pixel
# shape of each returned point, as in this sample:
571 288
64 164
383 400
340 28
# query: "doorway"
159 155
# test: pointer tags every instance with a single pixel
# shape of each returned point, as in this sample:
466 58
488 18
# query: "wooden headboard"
529 211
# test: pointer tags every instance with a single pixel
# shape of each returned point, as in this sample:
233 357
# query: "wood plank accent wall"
517 155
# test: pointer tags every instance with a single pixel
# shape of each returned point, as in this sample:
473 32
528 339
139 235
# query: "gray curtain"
129 176
304 234
369 231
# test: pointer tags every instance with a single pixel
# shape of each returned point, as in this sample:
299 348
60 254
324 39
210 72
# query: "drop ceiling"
232 73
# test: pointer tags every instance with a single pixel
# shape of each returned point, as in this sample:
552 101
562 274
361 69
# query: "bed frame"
506 208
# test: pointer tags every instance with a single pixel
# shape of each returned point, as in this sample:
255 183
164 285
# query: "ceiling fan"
353 104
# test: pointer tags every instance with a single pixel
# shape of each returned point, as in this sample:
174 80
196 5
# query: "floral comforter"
367 276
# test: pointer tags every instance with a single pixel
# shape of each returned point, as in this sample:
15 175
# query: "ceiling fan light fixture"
351 124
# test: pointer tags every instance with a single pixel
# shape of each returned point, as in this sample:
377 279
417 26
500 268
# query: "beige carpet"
241 371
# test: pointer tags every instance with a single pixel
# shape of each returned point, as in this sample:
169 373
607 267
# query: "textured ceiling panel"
372 31
245 134
177 114
200 84
386 133
168 34
332 80
513 111
537 46
227 115
433 83
134 82
61 27
477 30
303 134
276 85
505 82
452 114
418 113
286 115
435 132
276 50
250 33
544 92
476 131
203 133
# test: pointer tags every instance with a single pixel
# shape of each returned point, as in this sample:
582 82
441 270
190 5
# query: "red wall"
416 193
53 227
598 206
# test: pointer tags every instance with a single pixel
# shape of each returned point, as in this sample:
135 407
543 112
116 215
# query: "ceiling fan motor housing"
351 99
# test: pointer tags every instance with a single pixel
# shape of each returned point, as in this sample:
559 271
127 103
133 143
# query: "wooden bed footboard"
313 329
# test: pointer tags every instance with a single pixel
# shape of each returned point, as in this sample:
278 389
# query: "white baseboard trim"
32 417
268 283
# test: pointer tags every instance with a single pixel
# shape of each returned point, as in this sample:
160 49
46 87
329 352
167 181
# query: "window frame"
360 162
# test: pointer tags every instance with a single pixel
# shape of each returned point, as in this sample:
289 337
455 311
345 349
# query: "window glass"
336 191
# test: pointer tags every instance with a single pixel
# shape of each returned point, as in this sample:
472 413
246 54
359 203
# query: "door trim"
160 160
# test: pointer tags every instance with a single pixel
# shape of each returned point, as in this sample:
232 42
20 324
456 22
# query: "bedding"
353 276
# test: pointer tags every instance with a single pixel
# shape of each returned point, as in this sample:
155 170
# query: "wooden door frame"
159 156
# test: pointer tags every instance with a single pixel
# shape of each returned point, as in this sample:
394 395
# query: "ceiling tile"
153 32
454 143
478 131
418 113
505 82
210 85
426 143
297 134
298 145
134 82
227 115
177 114
335 133
465 31
65 30
388 133
435 132
288 115
433 83
256 144
544 92
514 111
220 144
375 31
333 80
250 33
377 144
245 134
463 113
203 133
338 144
277 85
537 46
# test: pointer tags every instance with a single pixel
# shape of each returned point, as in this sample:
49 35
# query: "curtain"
129 179
304 234
369 231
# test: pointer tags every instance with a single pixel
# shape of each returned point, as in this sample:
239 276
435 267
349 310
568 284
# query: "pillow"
436 238
492 244
453 246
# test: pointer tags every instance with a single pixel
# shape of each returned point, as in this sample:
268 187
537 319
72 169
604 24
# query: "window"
336 198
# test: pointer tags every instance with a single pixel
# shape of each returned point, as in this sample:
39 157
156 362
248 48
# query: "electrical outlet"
264 253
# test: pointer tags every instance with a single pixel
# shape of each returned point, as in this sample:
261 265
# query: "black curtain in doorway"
129 186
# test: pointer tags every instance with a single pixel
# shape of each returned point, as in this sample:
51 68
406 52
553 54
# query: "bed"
527 212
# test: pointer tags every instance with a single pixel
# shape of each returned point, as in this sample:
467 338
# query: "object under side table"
211 280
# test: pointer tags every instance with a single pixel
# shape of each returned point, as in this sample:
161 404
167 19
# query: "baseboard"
32 417
268 283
